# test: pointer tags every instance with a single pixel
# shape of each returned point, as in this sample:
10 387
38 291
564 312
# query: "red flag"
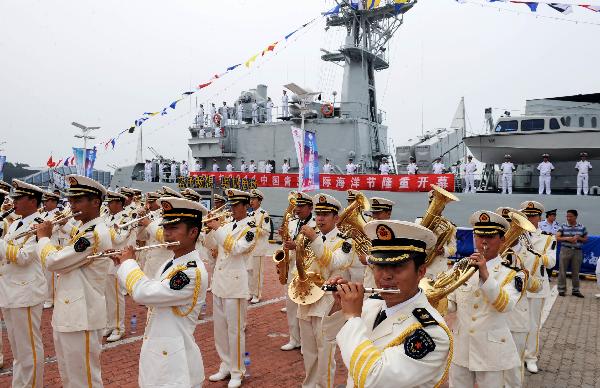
201 86
270 48
50 163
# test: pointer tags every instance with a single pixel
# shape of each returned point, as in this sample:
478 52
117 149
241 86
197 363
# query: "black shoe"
561 293
578 294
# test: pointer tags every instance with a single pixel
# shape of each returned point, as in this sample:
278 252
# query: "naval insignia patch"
249 236
179 280
518 284
81 244
346 247
418 344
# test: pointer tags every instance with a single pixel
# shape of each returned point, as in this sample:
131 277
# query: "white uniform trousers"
78 356
318 354
50 282
506 183
229 320
255 275
469 183
115 304
544 182
513 378
461 377
292 318
582 184
535 319
25 337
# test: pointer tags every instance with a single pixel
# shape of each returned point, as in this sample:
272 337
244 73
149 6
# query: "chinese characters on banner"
310 178
247 181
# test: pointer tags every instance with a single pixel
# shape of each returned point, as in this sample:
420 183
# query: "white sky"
105 63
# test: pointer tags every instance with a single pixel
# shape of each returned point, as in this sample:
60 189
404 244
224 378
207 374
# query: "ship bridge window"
566 121
594 122
554 124
532 125
507 126
581 122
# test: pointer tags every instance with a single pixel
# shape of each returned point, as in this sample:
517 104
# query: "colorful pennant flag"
233 67
251 60
174 103
594 8
565 9
202 86
50 163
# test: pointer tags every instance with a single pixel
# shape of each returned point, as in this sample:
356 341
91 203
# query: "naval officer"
411 168
438 167
470 169
545 168
507 169
350 167
583 167
255 261
327 167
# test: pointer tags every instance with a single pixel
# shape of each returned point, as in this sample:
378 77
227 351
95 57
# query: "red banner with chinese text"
246 181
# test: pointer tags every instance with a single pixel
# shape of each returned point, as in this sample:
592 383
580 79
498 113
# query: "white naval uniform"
240 113
386 356
507 169
327 168
583 167
484 347
184 169
255 261
285 111
22 293
384 169
225 115
235 242
148 172
350 168
270 111
333 257
252 167
79 308
213 112
154 234
254 113
411 169
545 245
243 167
170 356
285 168
438 168
173 172
268 168
215 167
545 169
470 168
229 167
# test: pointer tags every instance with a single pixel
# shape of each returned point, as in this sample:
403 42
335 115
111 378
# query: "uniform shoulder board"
90 229
518 283
252 224
81 244
344 236
262 211
179 280
346 247
546 233
267 220
424 317
418 344
249 236
376 296
251 214
191 264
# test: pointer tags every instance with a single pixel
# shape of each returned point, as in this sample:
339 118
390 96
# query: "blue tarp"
591 250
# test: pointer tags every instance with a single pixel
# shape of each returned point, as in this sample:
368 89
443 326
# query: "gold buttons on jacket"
474 319
165 353
477 293
66 301
475 306
471 331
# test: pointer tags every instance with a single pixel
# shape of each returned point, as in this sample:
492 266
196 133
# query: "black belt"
577 249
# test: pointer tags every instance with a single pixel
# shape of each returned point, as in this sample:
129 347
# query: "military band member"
152 233
50 202
484 347
542 257
333 253
191 195
23 288
80 309
4 222
169 192
235 242
255 261
303 216
129 206
219 201
391 339
170 356
381 210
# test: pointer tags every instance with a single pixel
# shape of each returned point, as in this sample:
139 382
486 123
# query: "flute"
7 213
39 221
131 222
368 290
139 249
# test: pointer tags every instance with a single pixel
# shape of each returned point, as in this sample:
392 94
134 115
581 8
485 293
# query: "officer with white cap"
175 300
381 209
255 261
169 192
412 168
438 167
229 166
79 309
152 233
350 167
545 168
23 287
191 195
583 168
51 212
391 339
507 169
470 169
484 347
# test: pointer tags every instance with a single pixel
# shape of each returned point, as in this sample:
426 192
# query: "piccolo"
131 222
7 213
39 221
139 249
368 290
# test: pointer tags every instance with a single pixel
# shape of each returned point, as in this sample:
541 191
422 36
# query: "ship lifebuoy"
327 110
217 119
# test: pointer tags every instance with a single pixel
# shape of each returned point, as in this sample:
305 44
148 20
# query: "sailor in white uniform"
507 169
285 111
327 167
229 166
583 168
438 167
470 169
269 110
545 168
240 113
285 167
350 167
252 166
411 168
148 171
384 167
212 113
215 166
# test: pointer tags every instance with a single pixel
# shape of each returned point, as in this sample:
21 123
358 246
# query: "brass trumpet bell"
306 291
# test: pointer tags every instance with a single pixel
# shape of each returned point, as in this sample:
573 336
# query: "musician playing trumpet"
484 346
391 339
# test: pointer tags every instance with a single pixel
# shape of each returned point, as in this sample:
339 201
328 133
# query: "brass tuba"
281 257
519 224
434 221
305 288
352 223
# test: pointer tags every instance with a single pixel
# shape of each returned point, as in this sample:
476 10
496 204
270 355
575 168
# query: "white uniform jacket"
154 234
263 229
333 257
170 356
518 317
410 348
235 241
482 337
544 256
79 303
22 280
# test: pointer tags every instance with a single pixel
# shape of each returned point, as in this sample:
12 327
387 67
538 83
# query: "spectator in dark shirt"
572 236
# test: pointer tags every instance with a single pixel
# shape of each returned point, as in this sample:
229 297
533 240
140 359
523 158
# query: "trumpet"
138 249
368 290
216 214
55 221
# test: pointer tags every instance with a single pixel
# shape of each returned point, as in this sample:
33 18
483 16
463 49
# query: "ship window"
568 121
507 126
554 124
581 122
594 122
532 125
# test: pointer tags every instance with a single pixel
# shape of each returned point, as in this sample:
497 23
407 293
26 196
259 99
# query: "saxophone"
281 257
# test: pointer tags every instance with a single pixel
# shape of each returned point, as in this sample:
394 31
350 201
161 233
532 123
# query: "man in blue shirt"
550 225
572 236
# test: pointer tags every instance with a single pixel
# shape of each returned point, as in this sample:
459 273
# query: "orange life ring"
327 110
217 119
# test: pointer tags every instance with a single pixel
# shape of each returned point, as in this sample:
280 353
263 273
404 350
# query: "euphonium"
305 288
434 221
519 224
281 257
352 223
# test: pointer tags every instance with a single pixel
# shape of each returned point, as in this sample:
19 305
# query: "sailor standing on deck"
545 168
412 168
507 175
229 166
327 167
212 113
254 113
225 114
243 166
184 168
215 166
201 115
583 167
269 110
148 171
438 166
173 171
384 167
285 167
350 167
285 112
240 113
252 166
470 169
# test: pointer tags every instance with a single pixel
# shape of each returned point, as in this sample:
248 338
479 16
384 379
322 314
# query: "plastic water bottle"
247 364
133 324
203 311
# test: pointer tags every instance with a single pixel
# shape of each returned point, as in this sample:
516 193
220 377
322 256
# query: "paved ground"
569 358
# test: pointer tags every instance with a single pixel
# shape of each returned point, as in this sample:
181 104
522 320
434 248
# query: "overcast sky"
105 63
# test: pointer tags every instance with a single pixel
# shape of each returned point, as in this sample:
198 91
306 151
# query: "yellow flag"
251 60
